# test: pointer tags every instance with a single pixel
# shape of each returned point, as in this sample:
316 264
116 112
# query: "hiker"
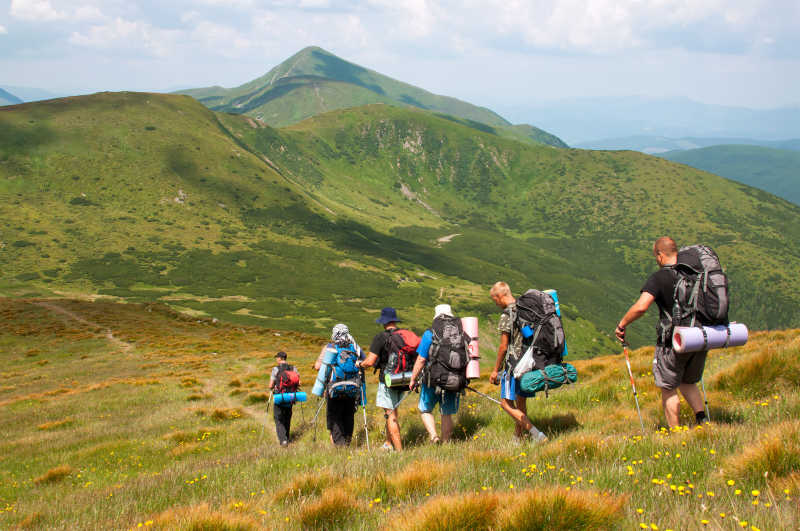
672 372
512 399
442 355
283 379
343 390
393 352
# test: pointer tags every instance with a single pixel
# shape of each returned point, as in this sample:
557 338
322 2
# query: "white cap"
442 309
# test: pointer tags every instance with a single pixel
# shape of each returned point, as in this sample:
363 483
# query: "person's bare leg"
393 429
672 403
430 425
447 427
693 396
523 425
522 405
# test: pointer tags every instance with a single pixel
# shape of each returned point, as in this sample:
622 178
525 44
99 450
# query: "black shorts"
670 369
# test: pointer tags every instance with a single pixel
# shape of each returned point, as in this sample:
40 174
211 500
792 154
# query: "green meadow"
130 416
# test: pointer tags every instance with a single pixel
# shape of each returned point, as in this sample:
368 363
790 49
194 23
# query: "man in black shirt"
672 372
386 398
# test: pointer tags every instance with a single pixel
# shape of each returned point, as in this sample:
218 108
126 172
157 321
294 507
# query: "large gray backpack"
536 310
448 355
701 288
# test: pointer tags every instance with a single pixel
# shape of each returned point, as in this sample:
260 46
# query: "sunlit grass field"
118 416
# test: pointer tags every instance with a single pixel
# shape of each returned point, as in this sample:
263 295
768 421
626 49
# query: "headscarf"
340 335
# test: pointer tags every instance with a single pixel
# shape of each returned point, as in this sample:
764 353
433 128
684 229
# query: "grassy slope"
146 197
775 170
120 415
314 81
303 227
586 217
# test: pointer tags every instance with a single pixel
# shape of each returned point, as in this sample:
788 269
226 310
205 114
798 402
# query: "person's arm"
418 365
637 310
318 363
377 345
369 361
272 380
501 356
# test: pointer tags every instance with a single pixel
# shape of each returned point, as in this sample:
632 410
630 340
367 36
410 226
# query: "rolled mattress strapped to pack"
324 371
289 398
550 377
697 338
470 325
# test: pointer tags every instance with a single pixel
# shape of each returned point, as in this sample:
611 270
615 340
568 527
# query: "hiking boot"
284 444
387 447
436 440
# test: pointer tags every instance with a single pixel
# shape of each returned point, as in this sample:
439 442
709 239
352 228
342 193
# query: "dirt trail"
123 345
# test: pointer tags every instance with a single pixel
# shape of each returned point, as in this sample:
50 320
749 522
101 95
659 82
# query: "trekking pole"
269 402
485 396
705 400
633 385
321 401
364 410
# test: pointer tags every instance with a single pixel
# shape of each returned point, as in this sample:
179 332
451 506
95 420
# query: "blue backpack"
345 377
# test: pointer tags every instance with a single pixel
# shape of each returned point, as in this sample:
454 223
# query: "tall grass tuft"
54 475
443 513
254 398
227 414
305 485
776 454
560 509
418 477
202 518
774 366
584 446
335 510
55 424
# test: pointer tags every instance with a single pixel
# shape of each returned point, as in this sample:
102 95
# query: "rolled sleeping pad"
470 325
324 372
401 379
554 294
697 338
289 398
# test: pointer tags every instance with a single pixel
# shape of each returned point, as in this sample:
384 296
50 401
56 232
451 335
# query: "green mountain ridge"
314 81
154 197
775 170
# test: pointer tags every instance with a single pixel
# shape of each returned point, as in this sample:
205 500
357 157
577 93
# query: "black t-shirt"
380 345
661 285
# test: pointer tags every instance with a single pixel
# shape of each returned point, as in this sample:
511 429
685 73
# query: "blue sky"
492 52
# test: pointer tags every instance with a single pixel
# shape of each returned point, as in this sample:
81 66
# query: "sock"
700 417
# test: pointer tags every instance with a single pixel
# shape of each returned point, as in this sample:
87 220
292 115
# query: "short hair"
666 245
501 289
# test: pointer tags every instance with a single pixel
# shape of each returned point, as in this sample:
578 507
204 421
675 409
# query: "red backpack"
402 351
287 380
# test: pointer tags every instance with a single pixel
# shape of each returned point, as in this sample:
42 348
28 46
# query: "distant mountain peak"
314 81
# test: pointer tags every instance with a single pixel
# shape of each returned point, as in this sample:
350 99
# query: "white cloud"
126 35
3 30
35 10
221 39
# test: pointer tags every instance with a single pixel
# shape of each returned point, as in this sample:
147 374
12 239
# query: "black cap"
281 355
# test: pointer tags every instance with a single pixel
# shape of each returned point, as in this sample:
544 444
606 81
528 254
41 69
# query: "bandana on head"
340 335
